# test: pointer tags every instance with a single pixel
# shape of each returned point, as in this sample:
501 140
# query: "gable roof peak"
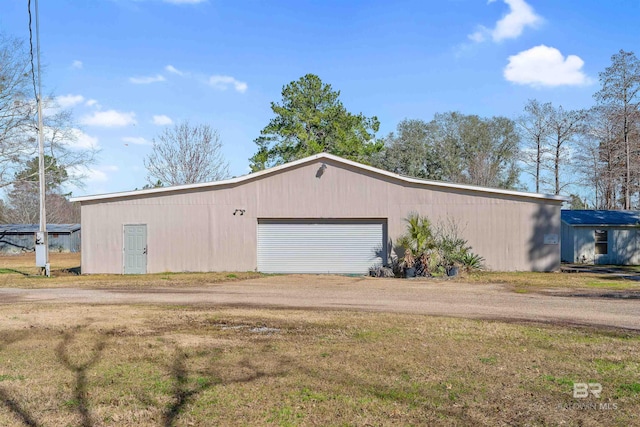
312 158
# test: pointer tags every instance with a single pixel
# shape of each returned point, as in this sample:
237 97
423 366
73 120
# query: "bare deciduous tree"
18 142
61 135
186 154
597 157
564 127
17 108
23 198
620 95
18 124
24 205
535 127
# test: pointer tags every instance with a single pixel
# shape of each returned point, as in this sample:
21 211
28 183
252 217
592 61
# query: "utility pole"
42 239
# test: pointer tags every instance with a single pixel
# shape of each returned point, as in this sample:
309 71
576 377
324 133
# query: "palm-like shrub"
432 249
471 262
418 241
451 246
419 237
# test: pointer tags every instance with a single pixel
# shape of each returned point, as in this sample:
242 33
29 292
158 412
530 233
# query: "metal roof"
32 228
310 159
600 217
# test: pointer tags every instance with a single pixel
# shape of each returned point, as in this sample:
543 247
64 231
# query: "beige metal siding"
195 230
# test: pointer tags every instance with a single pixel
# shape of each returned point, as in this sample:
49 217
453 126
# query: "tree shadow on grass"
183 393
13 271
187 385
80 371
16 409
8 338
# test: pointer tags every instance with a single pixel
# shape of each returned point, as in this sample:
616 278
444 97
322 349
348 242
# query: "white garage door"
319 246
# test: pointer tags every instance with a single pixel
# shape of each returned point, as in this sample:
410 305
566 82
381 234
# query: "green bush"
471 262
418 238
433 250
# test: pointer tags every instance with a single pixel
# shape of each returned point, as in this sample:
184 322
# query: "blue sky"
128 67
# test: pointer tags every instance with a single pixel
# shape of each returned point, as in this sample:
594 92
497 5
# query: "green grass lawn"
144 366
19 271
535 282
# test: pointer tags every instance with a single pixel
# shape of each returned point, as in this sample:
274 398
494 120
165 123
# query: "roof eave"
255 175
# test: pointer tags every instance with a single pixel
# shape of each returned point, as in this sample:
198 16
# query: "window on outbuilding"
602 242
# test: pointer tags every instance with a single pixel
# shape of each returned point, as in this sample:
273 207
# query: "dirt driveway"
386 295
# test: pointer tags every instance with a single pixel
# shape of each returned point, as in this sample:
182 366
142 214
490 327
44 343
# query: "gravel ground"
358 293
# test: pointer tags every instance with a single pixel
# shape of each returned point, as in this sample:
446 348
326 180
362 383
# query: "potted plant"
464 259
417 242
409 262
451 247
453 270
448 259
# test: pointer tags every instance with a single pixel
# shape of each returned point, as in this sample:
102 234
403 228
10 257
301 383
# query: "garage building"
320 214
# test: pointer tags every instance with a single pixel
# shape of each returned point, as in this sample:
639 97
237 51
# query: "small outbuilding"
16 238
601 237
320 214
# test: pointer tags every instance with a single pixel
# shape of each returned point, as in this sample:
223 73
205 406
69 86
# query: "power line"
33 71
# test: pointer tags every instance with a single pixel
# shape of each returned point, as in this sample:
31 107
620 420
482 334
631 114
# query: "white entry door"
135 249
320 246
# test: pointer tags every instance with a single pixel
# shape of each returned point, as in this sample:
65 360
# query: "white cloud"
92 103
478 36
511 26
162 120
545 66
100 173
147 79
66 101
174 70
83 140
136 140
109 118
223 82
184 1
77 65
93 174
